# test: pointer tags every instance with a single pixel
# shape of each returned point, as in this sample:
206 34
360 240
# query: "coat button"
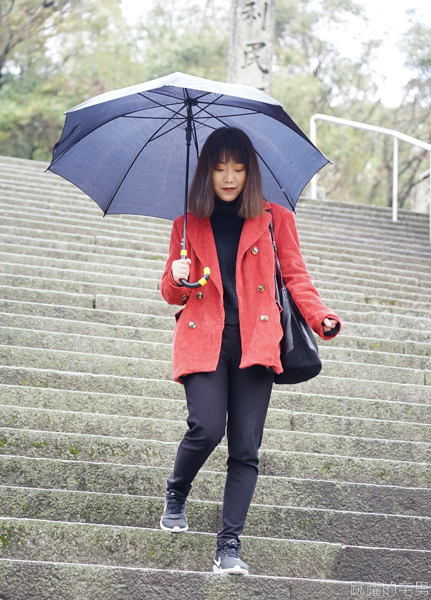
260 288
192 324
255 250
184 298
264 317
199 295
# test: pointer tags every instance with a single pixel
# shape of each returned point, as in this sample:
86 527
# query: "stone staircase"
91 419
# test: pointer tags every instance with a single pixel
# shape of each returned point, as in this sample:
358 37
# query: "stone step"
378 344
41 192
298 410
387 326
117 226
82 238
374 224
62 325
19 323
78 271
145 290
139 547
95 238
151 268
371 295
156 412
358 211
316 454
369 291
57 248
114 242
357 233
376 426
347 246
59 218
23 577
142 268
167 430
60 474
125 366
105 284
90 253
102 227
400 231
381 390
416 318
69 205
278 522
88 315
88 300
389 319
83 281
146 222
23 163
86 343
35 179
369 266
53 197
324 385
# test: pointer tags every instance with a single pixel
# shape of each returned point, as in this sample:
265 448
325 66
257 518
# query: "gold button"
199 295
260 288
255 250
264 317
184 298
192 324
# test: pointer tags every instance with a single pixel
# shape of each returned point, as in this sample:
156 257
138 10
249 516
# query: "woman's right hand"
181 269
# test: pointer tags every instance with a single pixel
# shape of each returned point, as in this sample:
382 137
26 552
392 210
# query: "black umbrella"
125 149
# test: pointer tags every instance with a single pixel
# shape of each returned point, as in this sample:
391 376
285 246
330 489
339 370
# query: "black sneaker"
174 516
227 560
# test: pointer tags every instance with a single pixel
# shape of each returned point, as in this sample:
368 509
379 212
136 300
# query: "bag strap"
277 268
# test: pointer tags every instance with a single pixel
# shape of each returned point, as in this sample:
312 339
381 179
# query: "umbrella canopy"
126 149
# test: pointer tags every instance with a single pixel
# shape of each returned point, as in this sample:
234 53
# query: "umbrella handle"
202 281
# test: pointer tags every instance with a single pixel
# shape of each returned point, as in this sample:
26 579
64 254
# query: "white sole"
233 571
176 529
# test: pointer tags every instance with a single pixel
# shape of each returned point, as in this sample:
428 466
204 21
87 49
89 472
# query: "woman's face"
228 180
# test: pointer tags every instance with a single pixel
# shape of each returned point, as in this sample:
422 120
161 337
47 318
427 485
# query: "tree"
22 20
69 57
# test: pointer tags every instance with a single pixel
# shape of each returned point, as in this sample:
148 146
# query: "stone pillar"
251 43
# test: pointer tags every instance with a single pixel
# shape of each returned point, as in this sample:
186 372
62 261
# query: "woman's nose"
229 175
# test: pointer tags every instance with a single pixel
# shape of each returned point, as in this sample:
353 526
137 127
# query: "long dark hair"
224 144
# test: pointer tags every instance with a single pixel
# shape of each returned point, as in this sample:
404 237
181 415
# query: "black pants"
244 395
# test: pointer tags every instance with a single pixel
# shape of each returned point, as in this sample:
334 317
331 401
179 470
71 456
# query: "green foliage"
192 39
56 53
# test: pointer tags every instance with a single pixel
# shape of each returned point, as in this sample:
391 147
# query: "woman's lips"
228 189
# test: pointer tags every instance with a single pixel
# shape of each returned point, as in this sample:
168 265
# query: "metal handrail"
395 134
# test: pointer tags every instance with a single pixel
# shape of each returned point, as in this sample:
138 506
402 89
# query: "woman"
226 341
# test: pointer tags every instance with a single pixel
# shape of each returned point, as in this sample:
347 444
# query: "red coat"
199 327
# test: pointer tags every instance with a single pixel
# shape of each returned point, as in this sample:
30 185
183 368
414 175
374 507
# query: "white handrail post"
395 182
313 136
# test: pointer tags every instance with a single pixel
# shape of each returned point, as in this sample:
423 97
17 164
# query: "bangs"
230 148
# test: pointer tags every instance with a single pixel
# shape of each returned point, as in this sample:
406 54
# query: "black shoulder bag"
299 354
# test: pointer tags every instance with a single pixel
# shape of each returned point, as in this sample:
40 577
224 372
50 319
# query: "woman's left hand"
328 324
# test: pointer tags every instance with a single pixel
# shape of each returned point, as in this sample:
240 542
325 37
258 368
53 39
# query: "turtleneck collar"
227 208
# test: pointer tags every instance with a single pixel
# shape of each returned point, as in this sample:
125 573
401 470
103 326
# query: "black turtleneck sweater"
227 227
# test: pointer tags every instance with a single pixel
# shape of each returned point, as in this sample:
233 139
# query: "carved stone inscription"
251 43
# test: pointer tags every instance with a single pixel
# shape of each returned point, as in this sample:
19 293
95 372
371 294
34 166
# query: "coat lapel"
252 230
201 238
